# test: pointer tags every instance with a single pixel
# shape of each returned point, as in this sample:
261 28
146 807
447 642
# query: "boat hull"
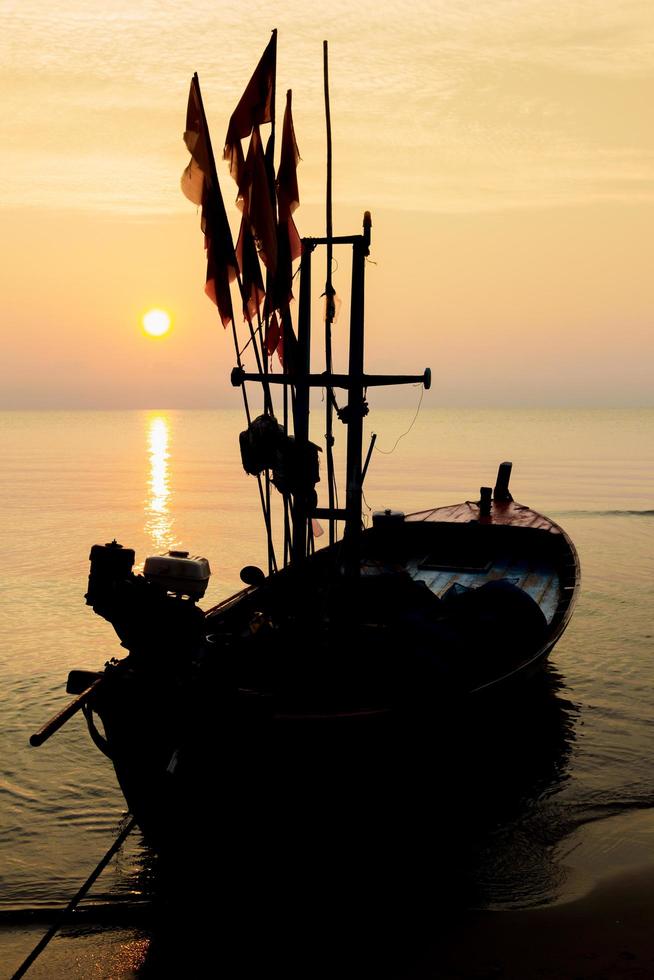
314 673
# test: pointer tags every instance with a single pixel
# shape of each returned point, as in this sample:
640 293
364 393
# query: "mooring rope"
61 919
387 452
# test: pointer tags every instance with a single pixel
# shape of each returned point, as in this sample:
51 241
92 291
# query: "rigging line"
366 517
268 410
387 452
239 362
271 551
267 400
61 919
248 418
247 344
267 522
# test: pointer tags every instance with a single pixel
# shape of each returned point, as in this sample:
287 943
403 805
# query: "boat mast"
357 407
355 382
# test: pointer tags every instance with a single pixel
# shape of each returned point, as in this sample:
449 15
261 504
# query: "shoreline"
605 935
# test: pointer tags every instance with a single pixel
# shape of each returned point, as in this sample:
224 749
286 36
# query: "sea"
581 805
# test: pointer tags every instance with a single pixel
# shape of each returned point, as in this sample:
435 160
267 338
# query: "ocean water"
158 479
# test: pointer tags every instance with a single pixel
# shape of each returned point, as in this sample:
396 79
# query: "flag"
287 346
253 290
273 336
289 246
200 185
288 194
257 106
256 204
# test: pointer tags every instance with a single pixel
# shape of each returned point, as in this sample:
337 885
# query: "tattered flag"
253 291
255 202
289 245
200 185
255 107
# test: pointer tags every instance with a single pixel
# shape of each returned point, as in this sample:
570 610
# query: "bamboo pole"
329 302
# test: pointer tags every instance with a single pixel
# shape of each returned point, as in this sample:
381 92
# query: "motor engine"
179 573
110 565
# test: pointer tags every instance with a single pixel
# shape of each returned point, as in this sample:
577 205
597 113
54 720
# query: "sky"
504 147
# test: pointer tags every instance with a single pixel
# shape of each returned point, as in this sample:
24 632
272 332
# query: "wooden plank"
509 513
549 599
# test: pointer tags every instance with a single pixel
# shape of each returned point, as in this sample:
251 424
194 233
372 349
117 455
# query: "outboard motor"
110 564
155 615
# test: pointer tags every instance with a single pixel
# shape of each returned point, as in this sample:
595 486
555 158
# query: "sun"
156 322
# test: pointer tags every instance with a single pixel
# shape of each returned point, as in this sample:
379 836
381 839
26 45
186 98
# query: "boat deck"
455 545
538 578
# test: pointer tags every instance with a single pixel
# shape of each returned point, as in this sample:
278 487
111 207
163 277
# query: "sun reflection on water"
158 519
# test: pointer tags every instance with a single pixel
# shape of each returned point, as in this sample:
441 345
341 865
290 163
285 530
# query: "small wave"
595 807
129 911
16 792
605 513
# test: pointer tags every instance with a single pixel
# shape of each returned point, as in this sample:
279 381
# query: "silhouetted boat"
334 653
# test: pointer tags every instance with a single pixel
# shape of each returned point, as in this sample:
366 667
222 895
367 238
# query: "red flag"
288 194
289 245
255 202
257 106
287 346
273 336
200 185
253 289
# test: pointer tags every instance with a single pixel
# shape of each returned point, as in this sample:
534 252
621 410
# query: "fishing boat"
319 669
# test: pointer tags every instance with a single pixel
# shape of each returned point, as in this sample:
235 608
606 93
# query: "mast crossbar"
328 380
333 240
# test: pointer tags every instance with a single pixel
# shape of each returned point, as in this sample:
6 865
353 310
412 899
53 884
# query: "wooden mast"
355 382
356 405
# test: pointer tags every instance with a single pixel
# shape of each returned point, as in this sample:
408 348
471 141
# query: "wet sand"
77 953
606 935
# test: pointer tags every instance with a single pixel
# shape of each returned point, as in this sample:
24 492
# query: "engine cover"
179 572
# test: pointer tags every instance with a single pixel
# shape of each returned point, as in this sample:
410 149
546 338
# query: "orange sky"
506 151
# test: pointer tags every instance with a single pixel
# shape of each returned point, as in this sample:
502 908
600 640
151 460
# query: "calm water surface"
173 478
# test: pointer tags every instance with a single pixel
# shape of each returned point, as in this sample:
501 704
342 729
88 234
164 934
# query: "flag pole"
270 174
329 304
273 198
214 177
270 155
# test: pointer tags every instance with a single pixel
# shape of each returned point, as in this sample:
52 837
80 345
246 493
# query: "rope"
54 928
387 452
252 338
366 517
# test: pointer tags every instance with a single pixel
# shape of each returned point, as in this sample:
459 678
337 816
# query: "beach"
604 935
